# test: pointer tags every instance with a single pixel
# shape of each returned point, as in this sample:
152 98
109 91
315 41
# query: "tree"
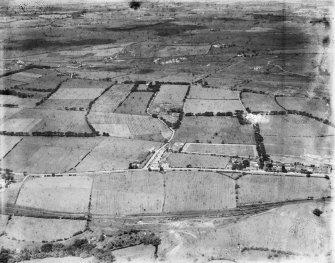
317 212
283 169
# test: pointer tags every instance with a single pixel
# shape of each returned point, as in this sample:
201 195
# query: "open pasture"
7 83
317 107
197 191
183 50
241 150
129 126
198 92
214 130
52 120
112 98
315 150
19 124
136 103
259 102
127 193
116 153
7 143
25 77
254 188
63 194
169 96
47 154
20 102
294 126
182 160
47 82
6 113
3 223
201 106
41 229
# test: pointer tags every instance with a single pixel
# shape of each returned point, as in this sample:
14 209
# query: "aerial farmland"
166 131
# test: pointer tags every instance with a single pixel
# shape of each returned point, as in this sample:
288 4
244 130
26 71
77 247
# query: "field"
201 106
14 100
214 129
116 153
49 120
25 77
112 98
221 149
7 143
6 113
136 103
19 125
47 154
182 50
3 223
196 160
317 107
190 191
48 82
75 93
9 195
40 229
294 125
302 149
259 102
169 96
267 188
127 193
63 194
129 126
198 92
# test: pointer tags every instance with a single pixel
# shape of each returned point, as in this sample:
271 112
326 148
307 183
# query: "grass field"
111 99
7 143
6 113
260 102
19 124
25 77
183 50
129 126
64 194
317 107
51 120
3 223
196 160
294 125
136 103
169 96
9 195
190 191
40 229
127 193
14 100
116 153
215 106
267 188
198 92
214 129
47 82
221 149
47 154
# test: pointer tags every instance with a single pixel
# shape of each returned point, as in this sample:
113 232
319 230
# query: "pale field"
197 160
41 229
215 106
269 188
196 191
127 193
116 153
63 194
198 92
25 77
260 102
3 223
9 195
214 129
318 149
63 260
114 130
70 93
19 125
139 126
112 98
55 120
169 51
47 154
171 95
61 104
294 125
7 143
317 107
21 102
85 83
6 113
221 149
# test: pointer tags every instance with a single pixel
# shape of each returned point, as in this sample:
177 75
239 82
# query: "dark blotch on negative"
135 5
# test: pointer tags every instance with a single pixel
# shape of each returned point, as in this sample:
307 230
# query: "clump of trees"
15 93
260 146
317 212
